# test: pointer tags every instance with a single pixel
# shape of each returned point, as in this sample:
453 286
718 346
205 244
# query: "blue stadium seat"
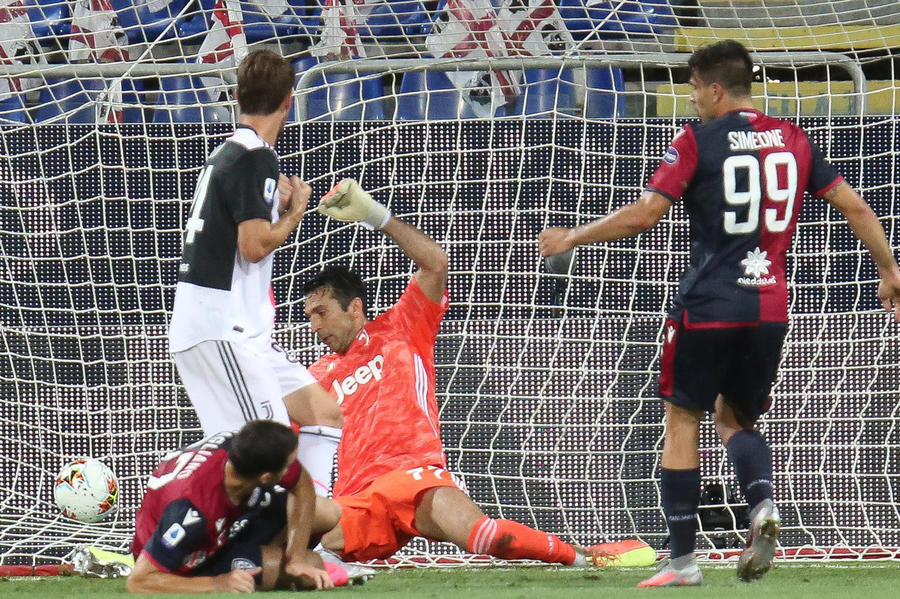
133 98
300 19
73 98
182 100
259 26
80 97
49 18
546 91
613 20
310 14
345 97
430 95
141 25
397 18
12 111
600 97
194 25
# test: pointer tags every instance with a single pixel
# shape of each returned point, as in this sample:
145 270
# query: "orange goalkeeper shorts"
381 519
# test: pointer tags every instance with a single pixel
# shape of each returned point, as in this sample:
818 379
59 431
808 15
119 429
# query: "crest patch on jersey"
269 189
756 267
671 156
173 535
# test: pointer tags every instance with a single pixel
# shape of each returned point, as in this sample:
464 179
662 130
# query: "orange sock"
510 540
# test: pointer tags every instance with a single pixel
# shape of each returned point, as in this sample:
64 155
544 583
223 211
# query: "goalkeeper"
392 483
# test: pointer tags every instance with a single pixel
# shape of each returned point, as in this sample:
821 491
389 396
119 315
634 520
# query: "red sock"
510 540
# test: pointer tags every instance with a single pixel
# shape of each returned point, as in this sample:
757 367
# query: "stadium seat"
546 91
440 100
69 100
12 110
133 99
601 99
182 100
49 18
84 100
193 26
299 19
345 97
310 14
397 18
259 25
143 26
613 19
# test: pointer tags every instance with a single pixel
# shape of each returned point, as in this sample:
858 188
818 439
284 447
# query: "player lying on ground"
230 513
392 483
741 177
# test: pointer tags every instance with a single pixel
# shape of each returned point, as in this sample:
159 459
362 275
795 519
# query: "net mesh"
546 383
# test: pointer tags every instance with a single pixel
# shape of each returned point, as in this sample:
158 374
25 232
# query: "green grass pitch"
873 580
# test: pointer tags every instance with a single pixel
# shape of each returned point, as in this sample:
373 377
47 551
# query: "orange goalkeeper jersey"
385 385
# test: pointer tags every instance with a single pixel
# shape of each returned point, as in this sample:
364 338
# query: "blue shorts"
699 363
244 552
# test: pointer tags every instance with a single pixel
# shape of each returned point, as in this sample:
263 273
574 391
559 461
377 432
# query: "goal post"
546 381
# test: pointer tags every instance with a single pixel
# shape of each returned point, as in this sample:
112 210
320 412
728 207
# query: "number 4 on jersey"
194 222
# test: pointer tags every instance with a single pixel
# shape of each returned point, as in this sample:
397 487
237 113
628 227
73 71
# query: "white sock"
580 557
684 561
317 446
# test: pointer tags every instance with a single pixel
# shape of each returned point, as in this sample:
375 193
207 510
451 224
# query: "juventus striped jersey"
385 385
742 178
220 295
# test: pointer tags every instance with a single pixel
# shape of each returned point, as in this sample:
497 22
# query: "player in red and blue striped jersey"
741 176
231 513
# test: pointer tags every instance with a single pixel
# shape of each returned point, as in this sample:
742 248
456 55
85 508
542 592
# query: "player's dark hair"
264 80
727 63
345 285
261 446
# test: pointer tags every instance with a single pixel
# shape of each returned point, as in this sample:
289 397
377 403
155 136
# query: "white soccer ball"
86 490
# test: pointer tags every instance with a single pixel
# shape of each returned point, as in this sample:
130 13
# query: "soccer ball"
86 490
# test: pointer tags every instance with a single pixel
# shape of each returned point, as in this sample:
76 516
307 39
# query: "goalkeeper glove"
349 202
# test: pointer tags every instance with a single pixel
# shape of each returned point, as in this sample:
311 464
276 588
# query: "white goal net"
546 382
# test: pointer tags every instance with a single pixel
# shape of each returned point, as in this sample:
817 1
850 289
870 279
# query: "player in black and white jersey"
741 177
223 318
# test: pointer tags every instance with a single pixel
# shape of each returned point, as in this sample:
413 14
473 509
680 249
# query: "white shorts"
230 383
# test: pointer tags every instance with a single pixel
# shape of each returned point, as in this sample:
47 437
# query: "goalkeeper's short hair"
345 285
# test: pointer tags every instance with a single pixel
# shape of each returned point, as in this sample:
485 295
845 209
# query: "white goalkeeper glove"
349 202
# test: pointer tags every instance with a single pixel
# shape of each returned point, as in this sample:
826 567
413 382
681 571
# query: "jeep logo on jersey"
269 189
369 371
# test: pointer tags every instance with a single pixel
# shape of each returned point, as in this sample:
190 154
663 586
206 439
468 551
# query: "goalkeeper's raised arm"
348 202
393 483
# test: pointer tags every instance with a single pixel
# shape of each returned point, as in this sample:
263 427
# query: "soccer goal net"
546 381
